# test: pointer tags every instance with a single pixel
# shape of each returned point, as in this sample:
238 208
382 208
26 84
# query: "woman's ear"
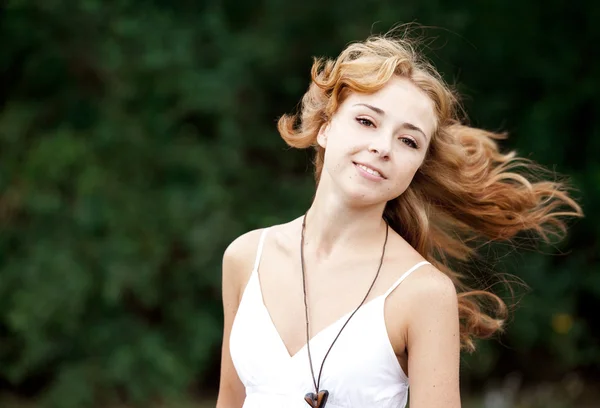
322 135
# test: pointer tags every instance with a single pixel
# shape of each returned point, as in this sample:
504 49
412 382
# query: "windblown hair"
466 190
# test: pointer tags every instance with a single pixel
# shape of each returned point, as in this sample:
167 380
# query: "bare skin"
421 315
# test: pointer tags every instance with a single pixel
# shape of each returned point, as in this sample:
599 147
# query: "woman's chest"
301 307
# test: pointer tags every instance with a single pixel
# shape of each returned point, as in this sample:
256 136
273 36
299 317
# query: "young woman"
341 306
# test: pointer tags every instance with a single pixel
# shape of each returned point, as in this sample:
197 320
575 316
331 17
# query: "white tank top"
360 371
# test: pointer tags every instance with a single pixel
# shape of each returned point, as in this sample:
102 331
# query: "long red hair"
466 190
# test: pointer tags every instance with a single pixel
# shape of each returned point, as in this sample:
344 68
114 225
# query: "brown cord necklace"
318 399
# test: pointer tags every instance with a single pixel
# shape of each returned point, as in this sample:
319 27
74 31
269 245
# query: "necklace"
318 399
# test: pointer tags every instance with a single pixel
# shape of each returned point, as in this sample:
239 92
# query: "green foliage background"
137 139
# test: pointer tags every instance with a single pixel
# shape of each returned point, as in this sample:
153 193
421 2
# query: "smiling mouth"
369 170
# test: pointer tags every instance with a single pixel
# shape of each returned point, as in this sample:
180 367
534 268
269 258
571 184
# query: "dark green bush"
137 139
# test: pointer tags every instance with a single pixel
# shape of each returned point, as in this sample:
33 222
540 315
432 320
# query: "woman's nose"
381 145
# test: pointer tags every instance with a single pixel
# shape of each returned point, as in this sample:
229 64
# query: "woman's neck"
333 225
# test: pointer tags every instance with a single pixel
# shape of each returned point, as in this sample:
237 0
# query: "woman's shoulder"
431 283
428 292
241 253
426 285
241 249
426 280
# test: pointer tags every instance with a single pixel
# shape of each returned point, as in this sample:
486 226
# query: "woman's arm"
433 342
237 266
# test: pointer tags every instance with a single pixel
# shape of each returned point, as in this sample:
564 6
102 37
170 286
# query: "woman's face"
375 143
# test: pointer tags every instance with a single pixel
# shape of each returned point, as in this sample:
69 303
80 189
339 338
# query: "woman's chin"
360 197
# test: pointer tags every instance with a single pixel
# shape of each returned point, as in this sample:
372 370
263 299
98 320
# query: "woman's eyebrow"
373 108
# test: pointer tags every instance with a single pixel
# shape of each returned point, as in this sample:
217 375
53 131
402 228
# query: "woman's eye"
365 122
409 142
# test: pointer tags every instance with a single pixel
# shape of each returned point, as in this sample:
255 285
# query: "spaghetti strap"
260 248
399 281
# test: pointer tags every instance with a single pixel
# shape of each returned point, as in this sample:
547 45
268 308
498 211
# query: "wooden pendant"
317 400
